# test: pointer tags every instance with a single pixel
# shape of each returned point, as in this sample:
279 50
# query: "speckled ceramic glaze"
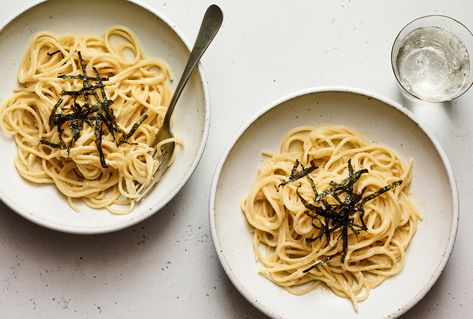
380 120
159 38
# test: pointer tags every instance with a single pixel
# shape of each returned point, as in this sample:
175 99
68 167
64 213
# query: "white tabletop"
166 266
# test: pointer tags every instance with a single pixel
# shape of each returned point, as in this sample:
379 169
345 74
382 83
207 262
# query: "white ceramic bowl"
44 205
380 120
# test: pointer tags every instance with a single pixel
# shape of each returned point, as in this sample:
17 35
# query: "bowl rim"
206 97
334 89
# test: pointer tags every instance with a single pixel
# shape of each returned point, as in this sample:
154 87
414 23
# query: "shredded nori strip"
136 125
295 175
53 53
327 217
97 115
98 141
318 263
52 119
82 77
61 139
48 143
90 90
378 192
74 125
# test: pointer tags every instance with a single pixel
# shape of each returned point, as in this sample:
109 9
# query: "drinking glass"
430 58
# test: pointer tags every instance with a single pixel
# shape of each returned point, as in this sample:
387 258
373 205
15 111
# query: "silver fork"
209 27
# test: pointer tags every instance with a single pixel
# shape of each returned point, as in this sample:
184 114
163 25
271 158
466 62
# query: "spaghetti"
295 250
96 165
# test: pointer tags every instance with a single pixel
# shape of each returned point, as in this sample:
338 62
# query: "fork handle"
208 29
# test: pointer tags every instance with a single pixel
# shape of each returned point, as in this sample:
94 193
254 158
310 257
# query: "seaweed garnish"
48 143
337 208
135 126
54 52
319 263
95 112
295 175
52 119
89 90
98 141
82 77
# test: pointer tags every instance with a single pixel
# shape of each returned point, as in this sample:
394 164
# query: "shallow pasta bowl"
43 204
380 120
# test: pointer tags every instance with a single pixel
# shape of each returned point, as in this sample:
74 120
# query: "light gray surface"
166 266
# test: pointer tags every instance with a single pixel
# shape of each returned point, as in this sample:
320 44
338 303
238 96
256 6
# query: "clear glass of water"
430 58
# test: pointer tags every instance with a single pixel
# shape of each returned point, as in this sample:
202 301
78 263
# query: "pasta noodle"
281 228
136 85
